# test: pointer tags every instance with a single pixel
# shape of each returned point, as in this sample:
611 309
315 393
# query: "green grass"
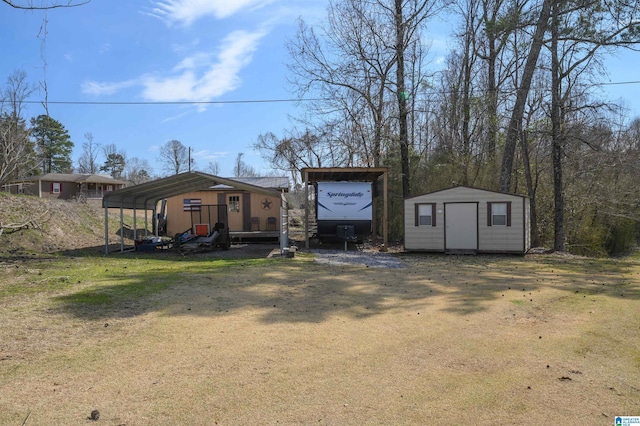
95 285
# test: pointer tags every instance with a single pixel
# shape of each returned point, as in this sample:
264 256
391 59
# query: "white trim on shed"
465 219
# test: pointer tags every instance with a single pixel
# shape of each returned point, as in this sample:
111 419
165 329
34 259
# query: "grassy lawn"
153 340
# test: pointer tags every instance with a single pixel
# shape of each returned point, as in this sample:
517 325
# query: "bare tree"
17 155
88 160
28 4
137 171
579 31
522 93
213 168
174 157
242 169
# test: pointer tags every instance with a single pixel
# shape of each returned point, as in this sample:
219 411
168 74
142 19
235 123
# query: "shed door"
461 226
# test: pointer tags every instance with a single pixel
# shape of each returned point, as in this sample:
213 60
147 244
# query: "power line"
251 101
243 101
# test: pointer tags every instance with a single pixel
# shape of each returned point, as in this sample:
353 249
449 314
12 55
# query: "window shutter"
509 213
488 214
417 215
433 214
51 188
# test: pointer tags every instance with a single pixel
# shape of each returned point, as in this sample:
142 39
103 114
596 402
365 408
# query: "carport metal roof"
146 195
355 174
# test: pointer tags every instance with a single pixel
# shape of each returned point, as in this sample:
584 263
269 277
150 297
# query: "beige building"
248 214
467 220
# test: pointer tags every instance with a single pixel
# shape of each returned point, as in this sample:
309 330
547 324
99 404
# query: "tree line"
515 108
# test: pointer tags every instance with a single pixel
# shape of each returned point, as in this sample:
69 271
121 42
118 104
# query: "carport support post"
135 226
121 229
106 227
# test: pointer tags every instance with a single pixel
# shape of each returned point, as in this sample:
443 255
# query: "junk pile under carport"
153 244
200 241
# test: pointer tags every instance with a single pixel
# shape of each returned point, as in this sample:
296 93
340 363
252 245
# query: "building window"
56 188
499 214
234 203
425 214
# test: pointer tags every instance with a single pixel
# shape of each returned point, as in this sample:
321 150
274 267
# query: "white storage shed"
467 220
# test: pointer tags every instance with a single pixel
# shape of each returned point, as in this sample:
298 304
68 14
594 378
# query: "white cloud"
97 88
200 77
204 76
205 154
188 11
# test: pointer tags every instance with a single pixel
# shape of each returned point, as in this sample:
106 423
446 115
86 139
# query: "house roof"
272 182
72 177
146 195
468 187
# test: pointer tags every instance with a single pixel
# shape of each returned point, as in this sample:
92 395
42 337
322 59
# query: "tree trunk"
531 190
402 99
521 97
556 136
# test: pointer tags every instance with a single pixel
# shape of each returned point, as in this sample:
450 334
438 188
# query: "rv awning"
146 195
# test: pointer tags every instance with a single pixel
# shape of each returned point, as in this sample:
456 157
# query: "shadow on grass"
283 290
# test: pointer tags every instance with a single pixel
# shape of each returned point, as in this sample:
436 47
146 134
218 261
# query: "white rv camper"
344 210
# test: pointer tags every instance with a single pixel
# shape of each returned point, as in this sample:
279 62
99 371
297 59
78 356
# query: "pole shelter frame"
311 176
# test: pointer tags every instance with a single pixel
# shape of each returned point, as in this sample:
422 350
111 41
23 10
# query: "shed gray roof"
468 187
146 195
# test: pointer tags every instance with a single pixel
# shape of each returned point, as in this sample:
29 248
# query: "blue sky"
181 50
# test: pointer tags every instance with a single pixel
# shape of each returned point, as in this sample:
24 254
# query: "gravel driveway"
369 258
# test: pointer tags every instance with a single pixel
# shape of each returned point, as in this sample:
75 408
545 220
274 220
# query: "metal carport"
146 196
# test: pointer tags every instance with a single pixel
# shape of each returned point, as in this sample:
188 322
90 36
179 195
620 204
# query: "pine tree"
53 144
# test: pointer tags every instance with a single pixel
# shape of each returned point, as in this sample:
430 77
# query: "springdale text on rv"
345 194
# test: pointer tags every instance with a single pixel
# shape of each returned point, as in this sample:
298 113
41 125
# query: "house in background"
65 185
248 214
467 220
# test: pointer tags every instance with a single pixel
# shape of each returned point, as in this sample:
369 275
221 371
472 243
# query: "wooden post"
306 208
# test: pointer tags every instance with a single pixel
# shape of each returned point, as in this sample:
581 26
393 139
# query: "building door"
461 226
234 208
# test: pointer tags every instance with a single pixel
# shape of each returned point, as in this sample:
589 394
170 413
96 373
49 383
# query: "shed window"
425 214
499 214
56 187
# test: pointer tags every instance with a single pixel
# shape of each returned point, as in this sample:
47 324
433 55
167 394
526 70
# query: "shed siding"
514 238
180 221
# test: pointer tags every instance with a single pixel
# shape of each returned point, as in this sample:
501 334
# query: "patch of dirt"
50 225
